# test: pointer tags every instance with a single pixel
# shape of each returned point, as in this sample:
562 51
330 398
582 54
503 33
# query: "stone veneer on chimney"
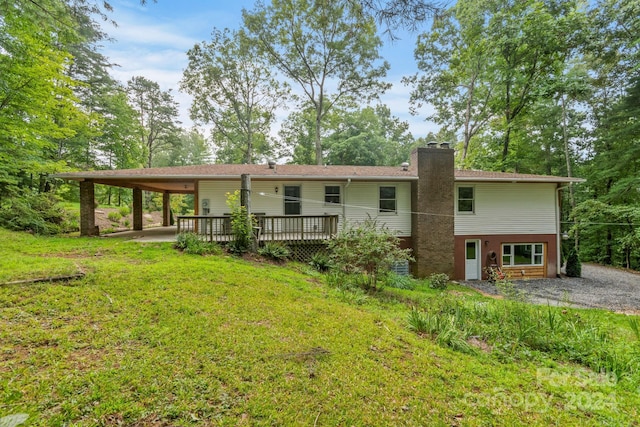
432 204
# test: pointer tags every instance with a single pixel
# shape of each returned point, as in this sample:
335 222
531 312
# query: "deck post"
87 209
245 200
166 209
137 209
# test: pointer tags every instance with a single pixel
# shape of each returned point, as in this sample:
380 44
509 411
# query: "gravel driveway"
600 287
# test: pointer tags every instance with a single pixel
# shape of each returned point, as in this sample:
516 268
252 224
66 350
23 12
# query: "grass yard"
154 337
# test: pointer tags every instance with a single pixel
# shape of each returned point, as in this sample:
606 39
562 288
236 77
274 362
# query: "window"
292 204
332 194
522 254
387 199
465 200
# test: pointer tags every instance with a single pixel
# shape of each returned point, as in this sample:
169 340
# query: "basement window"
522 254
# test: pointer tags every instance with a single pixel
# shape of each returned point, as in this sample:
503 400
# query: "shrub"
321 262
574 266
241 224
114 216
124 210
398 281
438 281
37 213
191 243
274 250
366 250
127 223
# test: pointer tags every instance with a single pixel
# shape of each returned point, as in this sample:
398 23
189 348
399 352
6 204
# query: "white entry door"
472 260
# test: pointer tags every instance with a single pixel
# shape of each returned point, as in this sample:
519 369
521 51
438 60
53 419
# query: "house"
456 221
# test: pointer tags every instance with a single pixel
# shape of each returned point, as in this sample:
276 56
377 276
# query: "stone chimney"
432 204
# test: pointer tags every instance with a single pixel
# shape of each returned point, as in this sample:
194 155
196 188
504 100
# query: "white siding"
362 201
509 208
359 200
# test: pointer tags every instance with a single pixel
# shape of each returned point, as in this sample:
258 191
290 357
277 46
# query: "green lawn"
153 337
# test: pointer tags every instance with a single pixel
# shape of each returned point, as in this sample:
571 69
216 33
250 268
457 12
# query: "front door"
472 260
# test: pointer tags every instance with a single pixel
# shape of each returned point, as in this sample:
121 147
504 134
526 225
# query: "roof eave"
558 180
75 177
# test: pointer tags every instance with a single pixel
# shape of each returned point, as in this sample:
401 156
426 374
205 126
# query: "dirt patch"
117 222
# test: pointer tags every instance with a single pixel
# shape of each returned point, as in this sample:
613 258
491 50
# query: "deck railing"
292 229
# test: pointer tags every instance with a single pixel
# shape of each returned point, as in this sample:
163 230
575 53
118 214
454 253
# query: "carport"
159 180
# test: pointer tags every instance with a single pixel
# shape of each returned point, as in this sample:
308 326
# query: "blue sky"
152 41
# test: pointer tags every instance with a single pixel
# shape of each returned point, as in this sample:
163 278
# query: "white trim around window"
387 200
522 254
465 199
332 195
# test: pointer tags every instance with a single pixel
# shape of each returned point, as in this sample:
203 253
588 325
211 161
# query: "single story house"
457 222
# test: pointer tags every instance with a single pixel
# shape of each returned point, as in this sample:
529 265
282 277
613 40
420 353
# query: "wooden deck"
289 229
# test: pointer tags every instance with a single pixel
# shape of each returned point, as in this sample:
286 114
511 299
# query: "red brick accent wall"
494 243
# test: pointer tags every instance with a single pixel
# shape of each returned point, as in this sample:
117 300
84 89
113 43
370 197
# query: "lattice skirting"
305 251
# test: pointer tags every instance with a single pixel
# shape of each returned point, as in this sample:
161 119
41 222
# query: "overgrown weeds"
275 250
519 330
192 243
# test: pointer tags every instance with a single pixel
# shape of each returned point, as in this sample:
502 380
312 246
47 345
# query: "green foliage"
192 243
157 116
223 76
321 262
314 44
226 341
241 224
366 249
438 281
608 233
634 324
370 137
399 281
275 250
574 266
37 213
516 330
124 211
508 290
114 216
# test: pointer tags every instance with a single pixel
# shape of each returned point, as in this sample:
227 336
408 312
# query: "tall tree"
368 137
157 114
35 89
325 47
297 136
455 72
191 148
530 42
118 144
233 89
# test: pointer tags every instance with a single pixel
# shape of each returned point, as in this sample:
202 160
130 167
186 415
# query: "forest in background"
545 87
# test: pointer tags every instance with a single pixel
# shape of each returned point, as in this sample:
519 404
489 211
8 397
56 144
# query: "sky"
152 41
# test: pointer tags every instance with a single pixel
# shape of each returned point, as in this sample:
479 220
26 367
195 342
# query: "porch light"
276 189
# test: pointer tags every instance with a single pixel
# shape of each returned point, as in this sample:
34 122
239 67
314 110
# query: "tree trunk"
317 139
567 153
